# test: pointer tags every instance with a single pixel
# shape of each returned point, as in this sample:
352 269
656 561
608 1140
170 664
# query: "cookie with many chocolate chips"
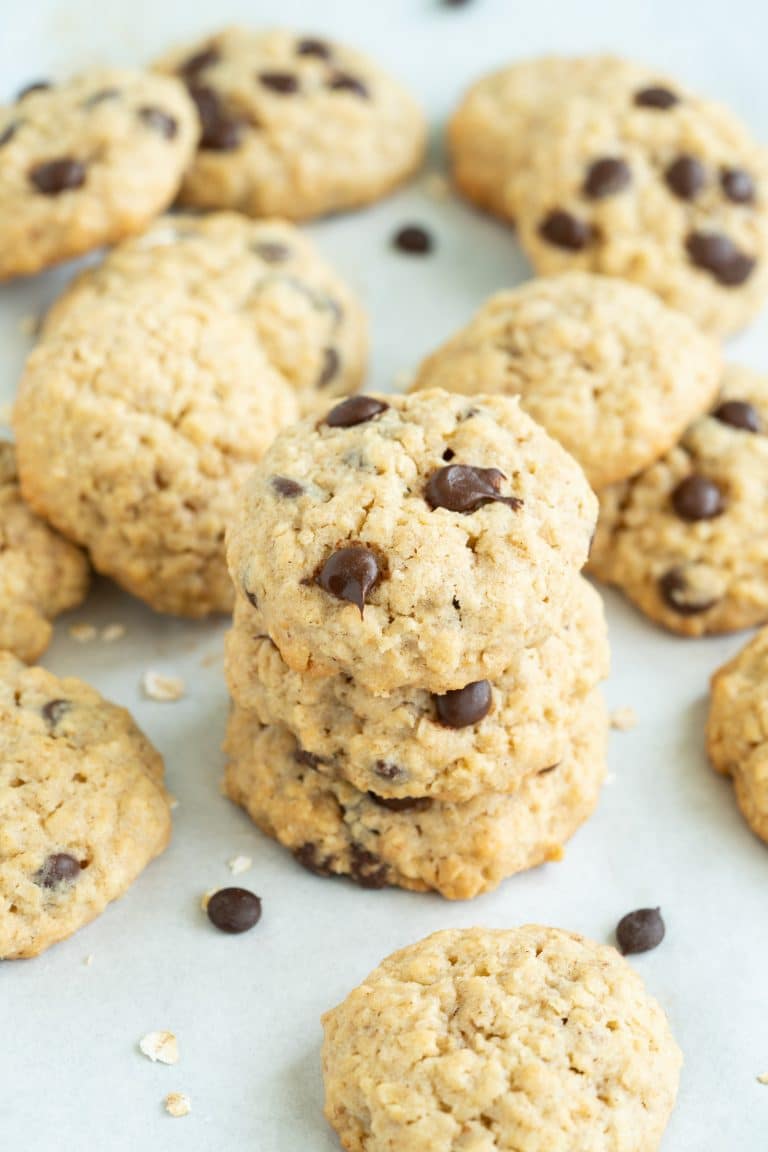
428 543
293 125
87 162
170 368
82 806
687 539
457 849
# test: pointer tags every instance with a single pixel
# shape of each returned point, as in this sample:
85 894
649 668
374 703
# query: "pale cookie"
527 1039
292 125
41 574
655 185
603 365
170 368
486 737
687 540
737 729
457 849
87 162
82 806
411 540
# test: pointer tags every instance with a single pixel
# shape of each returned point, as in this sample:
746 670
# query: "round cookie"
529 1039
87 162
82 806
457 849
411 540
412 743
670 192
687 540
737 729
41 574
603 365
292 125
170 368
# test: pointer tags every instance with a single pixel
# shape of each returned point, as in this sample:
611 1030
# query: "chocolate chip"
697 498
60 868
35 86
448 454
680 597
234 910
329 368
310 859
158 121
462 488
548 769
307 759
220 131
606 177
284 486
355 410
251 598
717 254
366 869
464 706
53 711
656 97
101 97
388 771
200 61
737 185
310 46
739 414
344 82
272 251
686 177
413 239
401 803
640 931
284 83
55 176
8 133
349 574
565 231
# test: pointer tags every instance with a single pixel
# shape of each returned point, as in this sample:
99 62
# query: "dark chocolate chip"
101 97
284 83
548 769
678 596
284 486
55 176
366 869
388 771
311 46
344 82
739 414
272 251
329 368
606 177
464 706
698 498
717 254
413 239
401 803
448 454
563 230
355 410
462 488
158 121
640 931
656 97
220 131
53 711
201 60
234 910
737 185
35 86
251 597
685 177
60 868
309 858
8 133
349 574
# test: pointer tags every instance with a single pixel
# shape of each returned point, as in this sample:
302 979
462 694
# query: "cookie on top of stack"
414 657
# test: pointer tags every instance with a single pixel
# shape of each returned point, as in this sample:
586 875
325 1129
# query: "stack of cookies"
414 656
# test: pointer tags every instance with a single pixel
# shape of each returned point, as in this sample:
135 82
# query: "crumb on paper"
159 687
610 778
160 1046
88 960
173 801
211 659
112 632
207 897
239 864
763 1078
436 185
29 325
178 1104
82 633
622 719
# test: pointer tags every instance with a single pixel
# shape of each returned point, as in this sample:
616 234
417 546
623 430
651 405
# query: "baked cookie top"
88 161
603 365
529 1038
411 540
293 125
82 806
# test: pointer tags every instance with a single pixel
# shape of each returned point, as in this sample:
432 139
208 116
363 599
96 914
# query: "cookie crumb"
206 898
173 801
164 688
88 960
112 632
623 719
178 1104
436 185
404 379
160 1046
82 633
211 659
763 1079
239 864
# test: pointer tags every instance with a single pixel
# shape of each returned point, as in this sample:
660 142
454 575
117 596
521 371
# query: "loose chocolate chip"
159 121
606 177
220 132
100 97
737 185
698 498
739 414
284 486
53 711
350 574
200 61
344 82
413 239
462 488
310 859
56 176
272 251
656 97
640 931
251 597
35 86
464 706
355 410
307 759
388 771
60 868
401 803
686 177
679 596
310 46
8 133
329 368
366 869
234 910
718 255
563 230
284 83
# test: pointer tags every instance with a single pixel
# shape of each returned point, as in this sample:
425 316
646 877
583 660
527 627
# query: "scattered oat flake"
160 1046
178 1104
763 1079
83 633
112 632
239 864
622 719
159 687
